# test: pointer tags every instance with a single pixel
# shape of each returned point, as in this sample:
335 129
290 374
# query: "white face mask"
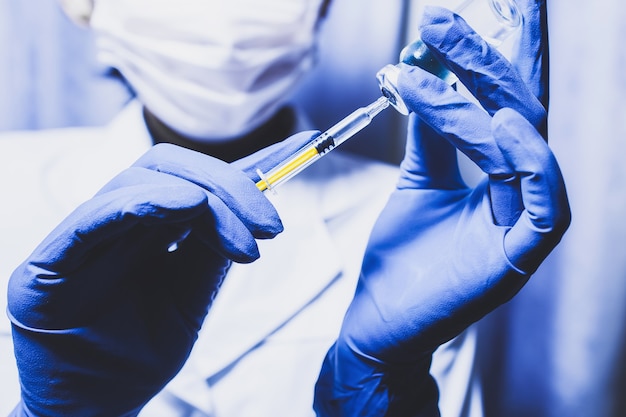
209 69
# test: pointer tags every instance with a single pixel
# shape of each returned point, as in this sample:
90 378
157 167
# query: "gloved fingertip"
261 217
239 247
246 256
509 120
407 72
502 115
435 15
269 231
436 24
278 227
409 78
506 125
418 87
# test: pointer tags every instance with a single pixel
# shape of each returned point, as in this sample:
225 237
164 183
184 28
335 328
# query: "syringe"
321 145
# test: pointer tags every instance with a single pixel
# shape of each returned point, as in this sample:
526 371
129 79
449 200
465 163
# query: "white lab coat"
262 345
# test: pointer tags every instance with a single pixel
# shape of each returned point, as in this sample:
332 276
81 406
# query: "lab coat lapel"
259 298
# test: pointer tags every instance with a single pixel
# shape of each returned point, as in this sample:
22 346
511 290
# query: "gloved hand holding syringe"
494 20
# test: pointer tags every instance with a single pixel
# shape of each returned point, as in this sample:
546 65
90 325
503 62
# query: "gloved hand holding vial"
438 260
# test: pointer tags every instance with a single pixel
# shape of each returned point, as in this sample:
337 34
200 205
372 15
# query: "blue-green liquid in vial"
418 54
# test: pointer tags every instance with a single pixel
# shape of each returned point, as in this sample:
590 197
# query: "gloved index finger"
219 227
486 73
453 116
229 184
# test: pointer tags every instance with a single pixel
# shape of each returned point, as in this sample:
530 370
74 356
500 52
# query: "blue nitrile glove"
437 260
107 308
450 40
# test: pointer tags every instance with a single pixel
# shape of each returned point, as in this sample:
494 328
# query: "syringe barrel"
325 142
292 166
349 126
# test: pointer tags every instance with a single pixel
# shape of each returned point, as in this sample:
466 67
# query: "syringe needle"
321 145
